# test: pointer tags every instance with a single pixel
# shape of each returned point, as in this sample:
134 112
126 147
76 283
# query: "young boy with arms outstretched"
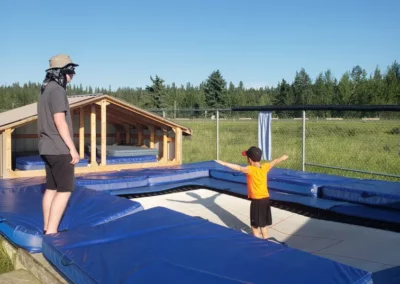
257 189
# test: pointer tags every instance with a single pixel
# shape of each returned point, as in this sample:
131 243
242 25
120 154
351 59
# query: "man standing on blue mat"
56 145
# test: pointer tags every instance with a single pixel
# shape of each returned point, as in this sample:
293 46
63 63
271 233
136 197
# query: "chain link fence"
346 143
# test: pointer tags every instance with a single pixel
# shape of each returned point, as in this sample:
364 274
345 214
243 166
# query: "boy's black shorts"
60 174
260 213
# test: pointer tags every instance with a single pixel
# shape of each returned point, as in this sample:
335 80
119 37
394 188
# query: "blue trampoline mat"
159 245
22 218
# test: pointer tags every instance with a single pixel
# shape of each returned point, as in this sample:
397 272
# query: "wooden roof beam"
136 118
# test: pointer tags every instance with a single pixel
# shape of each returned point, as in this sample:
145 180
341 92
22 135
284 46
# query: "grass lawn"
353 144
5 262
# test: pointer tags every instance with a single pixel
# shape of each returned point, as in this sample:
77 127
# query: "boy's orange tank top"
257 186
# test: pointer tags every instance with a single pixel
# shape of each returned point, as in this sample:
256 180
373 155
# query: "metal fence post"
304 142
217 142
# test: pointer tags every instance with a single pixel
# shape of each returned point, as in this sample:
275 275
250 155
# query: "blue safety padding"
278 174
36 163
369 192
362 191
341 207
288 186
159 245
205 182
139 178
231 187
103 181
129 159
123 150
20 182
128 150
387 276
21 212
368 212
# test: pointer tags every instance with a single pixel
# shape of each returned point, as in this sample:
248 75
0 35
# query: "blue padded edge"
29 239
126 180
295 176
20 182
134 153
206 182
21 216
101 182
341 207
130 160
73 273
197 248
387 276
368 212
237 188
124 150
282 186
360 196
161 179
362 191
36 163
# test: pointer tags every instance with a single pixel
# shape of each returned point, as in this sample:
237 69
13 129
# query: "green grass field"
5 263
372 146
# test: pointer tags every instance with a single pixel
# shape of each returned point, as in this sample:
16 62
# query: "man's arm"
62 127
277 161
234 167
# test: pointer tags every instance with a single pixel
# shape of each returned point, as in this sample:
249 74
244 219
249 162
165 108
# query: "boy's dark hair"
254 153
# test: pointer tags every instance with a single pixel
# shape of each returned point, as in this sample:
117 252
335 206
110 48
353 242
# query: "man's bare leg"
256 232
264 232
58 206
46 204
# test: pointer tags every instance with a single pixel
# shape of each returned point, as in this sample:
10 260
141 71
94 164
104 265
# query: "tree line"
353 87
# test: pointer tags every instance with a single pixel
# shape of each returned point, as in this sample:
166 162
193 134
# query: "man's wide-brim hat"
60 61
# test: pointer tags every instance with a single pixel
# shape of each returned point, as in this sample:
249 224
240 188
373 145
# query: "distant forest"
353 87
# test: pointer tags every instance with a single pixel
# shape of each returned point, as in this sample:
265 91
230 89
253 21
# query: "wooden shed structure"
99 121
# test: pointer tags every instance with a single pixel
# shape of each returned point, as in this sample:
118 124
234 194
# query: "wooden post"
165 146
8 149
103 131
140 135
118 136
81 133
151 128
93 136
127 134
178 145
6 153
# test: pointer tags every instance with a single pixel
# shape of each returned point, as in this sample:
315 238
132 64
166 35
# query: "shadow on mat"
224 215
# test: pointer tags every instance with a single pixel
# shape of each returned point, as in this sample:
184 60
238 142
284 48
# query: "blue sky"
123 43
